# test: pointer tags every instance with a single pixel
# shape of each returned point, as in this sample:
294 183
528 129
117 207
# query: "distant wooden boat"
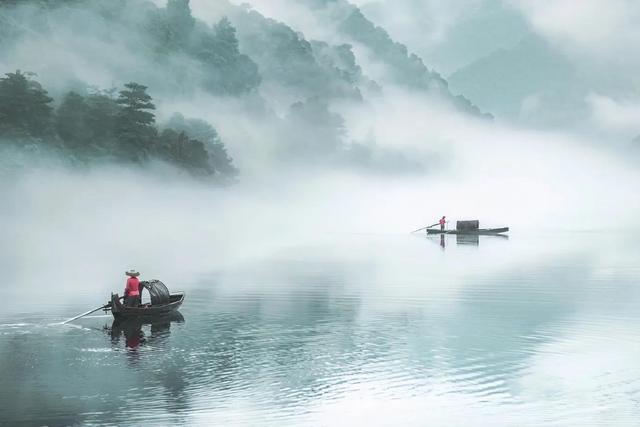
480 231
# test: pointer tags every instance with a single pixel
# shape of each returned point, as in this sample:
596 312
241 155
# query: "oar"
84 314
89 312
424 228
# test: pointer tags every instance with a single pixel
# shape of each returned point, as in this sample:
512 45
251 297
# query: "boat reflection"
134 333
468 239
463 239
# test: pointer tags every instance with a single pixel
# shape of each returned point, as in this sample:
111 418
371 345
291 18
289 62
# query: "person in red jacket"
442 222
132 290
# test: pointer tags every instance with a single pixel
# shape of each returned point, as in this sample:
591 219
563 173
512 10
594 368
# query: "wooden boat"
162 302
120 311
480 231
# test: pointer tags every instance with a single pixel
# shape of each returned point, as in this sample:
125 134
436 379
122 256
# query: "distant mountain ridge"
239 55
407 68
531 75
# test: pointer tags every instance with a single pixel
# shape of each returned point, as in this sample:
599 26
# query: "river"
351 329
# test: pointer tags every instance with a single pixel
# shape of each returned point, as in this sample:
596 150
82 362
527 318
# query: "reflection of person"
442 222
133 335
132 290
442 241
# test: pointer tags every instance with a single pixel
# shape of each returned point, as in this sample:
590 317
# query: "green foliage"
71 122
226 40
179 149
135 102
308 68
99 126
87 124
219 161
24 107
180 23
408 69
195 128
340 59
339 63
174 31
135 129
283 55
101 116
228 71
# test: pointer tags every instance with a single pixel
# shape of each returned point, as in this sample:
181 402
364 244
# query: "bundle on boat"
473 225
158 292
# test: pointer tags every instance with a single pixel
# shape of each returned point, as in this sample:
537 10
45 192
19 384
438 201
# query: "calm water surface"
350 330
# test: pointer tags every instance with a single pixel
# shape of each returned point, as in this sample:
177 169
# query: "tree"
179 149
101 118
219 159
71 122
226 40
195 128
135 129
24 106
180 23
228 71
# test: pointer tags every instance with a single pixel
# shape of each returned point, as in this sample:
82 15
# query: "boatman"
132 290
442 222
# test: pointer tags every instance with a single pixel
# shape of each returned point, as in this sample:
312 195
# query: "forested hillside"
89 71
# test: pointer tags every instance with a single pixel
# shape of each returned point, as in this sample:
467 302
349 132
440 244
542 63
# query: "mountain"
304 68
270 84
530 81
448 38
406 68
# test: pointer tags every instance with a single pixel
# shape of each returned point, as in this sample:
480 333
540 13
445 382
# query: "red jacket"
442 221
133 287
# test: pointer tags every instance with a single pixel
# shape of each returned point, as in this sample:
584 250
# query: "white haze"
597 37
69 226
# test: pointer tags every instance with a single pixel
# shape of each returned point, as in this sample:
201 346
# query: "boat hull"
482 231
120 311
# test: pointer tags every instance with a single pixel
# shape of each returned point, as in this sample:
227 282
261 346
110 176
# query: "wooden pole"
424 228
84 314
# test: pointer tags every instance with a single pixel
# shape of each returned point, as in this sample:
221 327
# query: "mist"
422 158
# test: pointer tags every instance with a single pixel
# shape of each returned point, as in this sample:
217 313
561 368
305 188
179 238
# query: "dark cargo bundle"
157 290
468 225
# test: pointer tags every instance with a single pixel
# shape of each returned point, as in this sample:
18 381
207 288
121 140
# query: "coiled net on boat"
157 291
